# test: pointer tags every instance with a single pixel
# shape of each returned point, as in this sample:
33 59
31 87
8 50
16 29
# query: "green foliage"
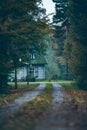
70 85
22 29
30 78
78 30
78 20
60 33
75 46
79 63
61 8
52 69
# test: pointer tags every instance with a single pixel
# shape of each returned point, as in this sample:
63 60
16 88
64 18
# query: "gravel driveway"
63 114
19 102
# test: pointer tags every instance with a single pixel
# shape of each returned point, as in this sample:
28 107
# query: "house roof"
39 59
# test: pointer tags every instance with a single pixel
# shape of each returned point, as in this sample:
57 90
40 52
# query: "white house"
34 69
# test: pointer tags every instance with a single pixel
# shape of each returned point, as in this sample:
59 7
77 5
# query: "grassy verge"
59 81
14 93
32 113
65 81
79 97
69 85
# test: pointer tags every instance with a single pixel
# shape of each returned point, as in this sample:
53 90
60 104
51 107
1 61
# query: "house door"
32 71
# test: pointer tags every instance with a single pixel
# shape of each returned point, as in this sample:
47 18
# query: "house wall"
39 72
21 73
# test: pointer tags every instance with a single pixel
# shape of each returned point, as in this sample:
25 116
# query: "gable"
38 59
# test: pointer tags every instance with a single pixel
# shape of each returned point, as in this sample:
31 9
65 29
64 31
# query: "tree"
78 29
52 70
22 30
75 48
61 30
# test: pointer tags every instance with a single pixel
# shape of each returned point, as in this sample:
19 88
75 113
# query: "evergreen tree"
52 70
75 45
22 30
78 30
60 20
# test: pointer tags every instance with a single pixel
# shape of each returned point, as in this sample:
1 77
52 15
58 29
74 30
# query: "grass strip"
70 85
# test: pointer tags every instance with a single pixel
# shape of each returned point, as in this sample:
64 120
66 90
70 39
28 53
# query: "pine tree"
78 30
61 31
22 30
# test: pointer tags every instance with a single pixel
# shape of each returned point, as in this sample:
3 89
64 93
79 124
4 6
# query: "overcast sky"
50 6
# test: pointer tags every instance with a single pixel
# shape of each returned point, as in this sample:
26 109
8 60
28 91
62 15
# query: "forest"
25 27
70 33
59 102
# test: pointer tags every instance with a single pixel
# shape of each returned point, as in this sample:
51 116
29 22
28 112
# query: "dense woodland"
24 28
23 25
70 32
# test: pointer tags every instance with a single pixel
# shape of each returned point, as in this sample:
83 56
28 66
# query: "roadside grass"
28 116
25 86
79 96
59 81
65 81
44 81
14 93
69 85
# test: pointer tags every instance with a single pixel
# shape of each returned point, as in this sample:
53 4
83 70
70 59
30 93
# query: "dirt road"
19 102
63 113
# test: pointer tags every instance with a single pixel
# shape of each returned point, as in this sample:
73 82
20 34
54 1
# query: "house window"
33 56
36 71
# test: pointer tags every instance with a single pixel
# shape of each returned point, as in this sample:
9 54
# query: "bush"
30 79
55 77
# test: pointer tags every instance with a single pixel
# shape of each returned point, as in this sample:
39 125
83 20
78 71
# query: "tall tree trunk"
67 69
27 76
16 85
